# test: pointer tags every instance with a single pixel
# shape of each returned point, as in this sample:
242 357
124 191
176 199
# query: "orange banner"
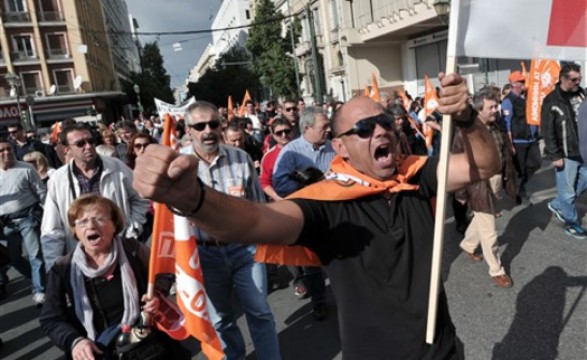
430 97
243 108
55 132
174 250
540 82
375 88
230 111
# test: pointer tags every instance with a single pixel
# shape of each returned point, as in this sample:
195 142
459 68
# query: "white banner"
174 110
520 29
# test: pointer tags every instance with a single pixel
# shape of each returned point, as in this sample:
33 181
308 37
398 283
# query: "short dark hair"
126 124
202 105
280 122
397 110
235 127
480 96
568 67
18 126
77 127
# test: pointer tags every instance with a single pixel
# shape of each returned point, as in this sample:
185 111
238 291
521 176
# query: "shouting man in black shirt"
369 224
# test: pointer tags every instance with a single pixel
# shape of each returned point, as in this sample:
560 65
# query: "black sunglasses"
280 133
213 124
140 146
291 109
82 142
364 128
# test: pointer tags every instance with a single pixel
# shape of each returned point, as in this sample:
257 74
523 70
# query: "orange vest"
343 182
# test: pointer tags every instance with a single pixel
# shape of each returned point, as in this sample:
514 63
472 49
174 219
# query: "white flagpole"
435 272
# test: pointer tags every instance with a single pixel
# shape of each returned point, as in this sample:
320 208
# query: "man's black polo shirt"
377 252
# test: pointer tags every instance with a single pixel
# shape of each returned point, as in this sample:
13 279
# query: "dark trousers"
527 161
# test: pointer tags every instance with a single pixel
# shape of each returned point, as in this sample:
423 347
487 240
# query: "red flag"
540 82
174 250
568 23
243 109
374 88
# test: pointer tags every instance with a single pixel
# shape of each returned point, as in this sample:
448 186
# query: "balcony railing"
50 16
17 17
23 55
58 53
65 89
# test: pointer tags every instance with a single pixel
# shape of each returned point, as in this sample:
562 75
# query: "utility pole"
317 72
293 48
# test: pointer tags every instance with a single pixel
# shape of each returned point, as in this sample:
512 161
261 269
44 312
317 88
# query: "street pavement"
544 316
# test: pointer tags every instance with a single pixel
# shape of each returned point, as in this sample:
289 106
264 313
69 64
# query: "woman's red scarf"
343 182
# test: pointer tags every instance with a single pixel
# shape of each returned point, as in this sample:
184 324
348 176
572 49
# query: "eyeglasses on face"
213 124
139 146
82 142
575 79
364 128
84 223
290 109
280 133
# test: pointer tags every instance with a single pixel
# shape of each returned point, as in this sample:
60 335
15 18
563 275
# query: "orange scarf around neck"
343 182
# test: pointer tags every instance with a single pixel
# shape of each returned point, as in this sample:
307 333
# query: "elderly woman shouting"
95 289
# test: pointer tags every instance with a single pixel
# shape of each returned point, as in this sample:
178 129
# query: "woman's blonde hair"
108 134
41 162
86 201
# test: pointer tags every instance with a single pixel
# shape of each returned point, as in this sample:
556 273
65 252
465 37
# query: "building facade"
62 54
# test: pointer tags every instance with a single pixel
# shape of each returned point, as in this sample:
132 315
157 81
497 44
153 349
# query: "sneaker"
300 291
576 231
556 213
39 298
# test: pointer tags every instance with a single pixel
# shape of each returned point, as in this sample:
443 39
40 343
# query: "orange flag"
430 97
55 132
524 70
230 109
375 88
243 109
174 250
540 82
366 91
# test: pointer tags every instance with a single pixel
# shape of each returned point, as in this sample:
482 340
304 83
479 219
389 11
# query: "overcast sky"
176 15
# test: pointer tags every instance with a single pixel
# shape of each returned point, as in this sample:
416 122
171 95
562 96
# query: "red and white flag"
530 29
540 82
174 250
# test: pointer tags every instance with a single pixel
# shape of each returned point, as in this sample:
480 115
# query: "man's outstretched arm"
164 176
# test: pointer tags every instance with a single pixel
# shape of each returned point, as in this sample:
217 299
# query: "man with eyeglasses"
227 266
370 225
523 136
291 113
562 109
311 150
22 194
87 172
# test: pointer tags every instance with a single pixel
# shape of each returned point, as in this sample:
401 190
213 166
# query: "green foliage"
153 82
270 52
231 75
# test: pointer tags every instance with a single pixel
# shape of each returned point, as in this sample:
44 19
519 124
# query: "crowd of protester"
71 202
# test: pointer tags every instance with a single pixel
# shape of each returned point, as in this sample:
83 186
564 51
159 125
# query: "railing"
58 53
23 55
64 89
50 16
367 12
21 16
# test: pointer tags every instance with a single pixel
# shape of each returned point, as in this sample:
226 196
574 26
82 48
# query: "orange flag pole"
243 108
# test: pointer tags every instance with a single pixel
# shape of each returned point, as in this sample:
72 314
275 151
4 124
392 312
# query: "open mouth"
383 155
93 237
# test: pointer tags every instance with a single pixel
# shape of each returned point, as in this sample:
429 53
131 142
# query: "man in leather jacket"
559 127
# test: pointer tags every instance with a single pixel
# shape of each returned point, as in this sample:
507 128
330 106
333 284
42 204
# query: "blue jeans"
233 267
24 231
571 181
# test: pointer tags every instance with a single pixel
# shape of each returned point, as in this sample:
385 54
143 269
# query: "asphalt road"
544 316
